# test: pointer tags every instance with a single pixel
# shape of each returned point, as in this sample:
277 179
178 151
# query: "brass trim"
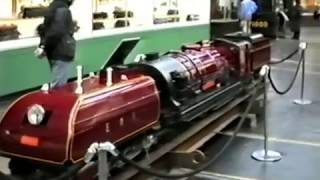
72 117
84 100
106 89
114 109
260 48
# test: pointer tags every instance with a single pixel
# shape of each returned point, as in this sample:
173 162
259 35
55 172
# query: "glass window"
310 4
165 11
20 18
109 14
121 13
224 9
142 12
173 11
188 12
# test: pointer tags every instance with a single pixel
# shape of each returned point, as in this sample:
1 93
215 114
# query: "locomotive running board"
212 101
159 156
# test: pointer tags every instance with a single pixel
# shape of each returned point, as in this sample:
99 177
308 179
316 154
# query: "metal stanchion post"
302 101
103 167
265 154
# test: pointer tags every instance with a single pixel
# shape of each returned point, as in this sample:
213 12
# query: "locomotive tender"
54 127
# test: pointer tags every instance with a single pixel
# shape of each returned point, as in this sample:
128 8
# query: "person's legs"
281 23
296 35
61 72
51 64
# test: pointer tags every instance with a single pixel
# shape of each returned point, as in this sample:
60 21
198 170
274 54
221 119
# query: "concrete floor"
294 130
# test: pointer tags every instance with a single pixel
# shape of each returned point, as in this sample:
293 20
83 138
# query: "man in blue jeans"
57 42
61 72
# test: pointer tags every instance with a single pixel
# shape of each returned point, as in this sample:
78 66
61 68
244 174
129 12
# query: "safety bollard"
265 154
79 89
102 150
103 167
302 101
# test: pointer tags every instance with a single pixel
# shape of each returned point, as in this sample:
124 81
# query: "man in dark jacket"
295 19
56 34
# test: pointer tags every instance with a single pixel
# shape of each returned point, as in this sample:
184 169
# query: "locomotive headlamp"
36 114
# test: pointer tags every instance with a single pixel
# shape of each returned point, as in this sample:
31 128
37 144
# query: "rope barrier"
286 58
282 92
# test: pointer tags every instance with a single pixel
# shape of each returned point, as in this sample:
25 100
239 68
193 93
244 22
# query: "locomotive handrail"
237 44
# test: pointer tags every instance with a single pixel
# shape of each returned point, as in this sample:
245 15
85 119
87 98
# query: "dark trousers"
296 35
281 22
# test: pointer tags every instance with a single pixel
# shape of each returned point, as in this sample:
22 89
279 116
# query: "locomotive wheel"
21 168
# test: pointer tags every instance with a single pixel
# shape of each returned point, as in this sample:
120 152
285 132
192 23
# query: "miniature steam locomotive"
52 128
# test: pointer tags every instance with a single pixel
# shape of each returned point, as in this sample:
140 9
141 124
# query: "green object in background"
21 70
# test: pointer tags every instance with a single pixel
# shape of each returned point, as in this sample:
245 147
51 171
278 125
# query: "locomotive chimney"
109 77
91 74
45 87
79 89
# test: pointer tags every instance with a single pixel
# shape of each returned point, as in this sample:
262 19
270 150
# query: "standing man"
247 9
57 41
295 19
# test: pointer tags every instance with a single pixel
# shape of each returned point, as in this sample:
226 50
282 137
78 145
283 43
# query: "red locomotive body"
47 142
203 66
73 122
115 114
56 126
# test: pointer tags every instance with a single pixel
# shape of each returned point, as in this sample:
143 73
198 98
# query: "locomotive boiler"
50 130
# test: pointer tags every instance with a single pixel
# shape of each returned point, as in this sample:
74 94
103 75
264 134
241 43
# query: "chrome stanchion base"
302 102
271 156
